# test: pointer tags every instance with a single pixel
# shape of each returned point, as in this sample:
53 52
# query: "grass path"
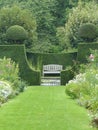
43 108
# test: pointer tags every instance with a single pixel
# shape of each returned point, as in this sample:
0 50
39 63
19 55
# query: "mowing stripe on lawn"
43 108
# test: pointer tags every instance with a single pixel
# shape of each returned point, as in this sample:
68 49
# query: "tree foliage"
61 37
10 16
83 13
50 16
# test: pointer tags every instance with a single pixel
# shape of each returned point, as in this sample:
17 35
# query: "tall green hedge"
17 53
37 60
84 51
66 75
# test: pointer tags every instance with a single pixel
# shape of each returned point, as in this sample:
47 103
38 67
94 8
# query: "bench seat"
52 69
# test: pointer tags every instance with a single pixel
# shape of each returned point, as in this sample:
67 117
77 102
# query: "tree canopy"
51 25
10 16
83 13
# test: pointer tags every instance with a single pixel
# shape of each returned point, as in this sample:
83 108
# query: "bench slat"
52 69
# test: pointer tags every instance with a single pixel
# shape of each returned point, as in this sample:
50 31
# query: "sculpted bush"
16 33
88 32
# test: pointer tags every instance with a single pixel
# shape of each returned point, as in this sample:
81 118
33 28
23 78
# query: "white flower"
5 89
78 79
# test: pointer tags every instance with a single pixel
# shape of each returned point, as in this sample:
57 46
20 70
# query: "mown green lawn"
43 108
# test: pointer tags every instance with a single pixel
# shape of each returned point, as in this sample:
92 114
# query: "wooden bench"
52 69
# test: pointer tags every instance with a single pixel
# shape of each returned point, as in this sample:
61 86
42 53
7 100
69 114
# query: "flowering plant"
10 82
91 57
5 90
84 87
9 70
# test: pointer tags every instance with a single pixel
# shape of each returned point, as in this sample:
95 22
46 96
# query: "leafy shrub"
16 33
87 32
73 87
10 82
9 70
84 87
73 90
21 85
94 100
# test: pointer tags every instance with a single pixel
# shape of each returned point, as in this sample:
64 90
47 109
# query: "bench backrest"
52 67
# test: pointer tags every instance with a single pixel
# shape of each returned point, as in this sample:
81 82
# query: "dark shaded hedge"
17 53
66 75
37 60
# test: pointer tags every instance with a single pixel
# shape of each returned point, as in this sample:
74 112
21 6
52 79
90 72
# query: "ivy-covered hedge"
17 53
84 51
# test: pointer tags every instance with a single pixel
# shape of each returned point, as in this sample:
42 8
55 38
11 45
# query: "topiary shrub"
87 32
16 33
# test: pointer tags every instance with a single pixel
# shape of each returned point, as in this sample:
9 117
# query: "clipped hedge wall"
37 60
66 75
17 54
84 51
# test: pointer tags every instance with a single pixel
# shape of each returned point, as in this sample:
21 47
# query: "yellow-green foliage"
83 13
61 36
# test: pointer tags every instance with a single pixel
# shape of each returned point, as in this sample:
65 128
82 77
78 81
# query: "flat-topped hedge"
17 53
66 75
37 60
31 64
